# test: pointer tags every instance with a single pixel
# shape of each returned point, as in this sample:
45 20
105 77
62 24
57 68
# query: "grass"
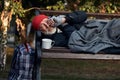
62 69
54 69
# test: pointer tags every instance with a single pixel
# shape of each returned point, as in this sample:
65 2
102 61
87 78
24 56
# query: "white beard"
50 32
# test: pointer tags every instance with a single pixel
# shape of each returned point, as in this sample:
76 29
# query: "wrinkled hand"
58 20
50 22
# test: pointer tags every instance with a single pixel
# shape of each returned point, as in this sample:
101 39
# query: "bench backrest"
96 15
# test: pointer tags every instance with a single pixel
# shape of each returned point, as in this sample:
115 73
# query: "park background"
62 69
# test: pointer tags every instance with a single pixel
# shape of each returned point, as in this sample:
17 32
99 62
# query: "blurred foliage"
95 6
17 8
58 6
98 6
91 6
20 7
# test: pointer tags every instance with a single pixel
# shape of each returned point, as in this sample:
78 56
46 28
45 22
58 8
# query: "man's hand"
50 22
58 20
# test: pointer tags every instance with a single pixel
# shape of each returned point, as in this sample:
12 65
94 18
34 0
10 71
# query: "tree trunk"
5 18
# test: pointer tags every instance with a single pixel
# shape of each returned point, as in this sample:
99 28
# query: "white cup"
47 43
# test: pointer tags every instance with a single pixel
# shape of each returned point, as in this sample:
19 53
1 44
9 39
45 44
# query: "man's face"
46 26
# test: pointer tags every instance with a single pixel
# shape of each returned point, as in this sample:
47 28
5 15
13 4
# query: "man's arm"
76 17
70 18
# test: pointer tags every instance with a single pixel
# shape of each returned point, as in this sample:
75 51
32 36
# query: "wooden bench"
64 53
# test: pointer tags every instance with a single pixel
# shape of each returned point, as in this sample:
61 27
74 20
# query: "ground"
80 69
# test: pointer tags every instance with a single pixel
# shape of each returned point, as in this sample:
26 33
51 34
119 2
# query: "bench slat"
64 53
79 56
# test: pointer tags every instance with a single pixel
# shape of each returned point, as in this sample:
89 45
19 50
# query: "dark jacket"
76 17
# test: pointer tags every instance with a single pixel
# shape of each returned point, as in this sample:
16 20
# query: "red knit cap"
37 20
